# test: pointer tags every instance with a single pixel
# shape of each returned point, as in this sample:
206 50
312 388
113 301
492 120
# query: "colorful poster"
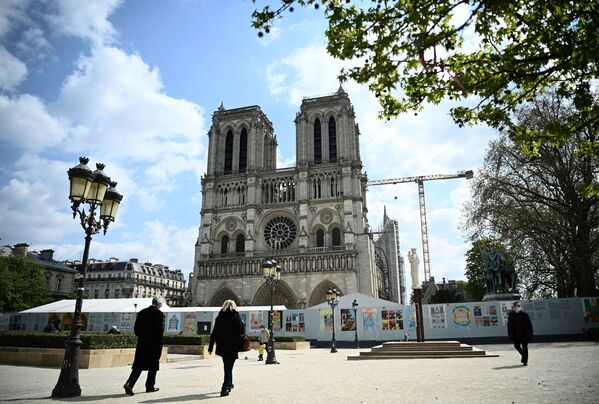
256 320
411 317
326 320
190 323
437 316
173 322
369 319
461 316
277 322
126 319
391 320
348 320
591 309
244 318
485 316
294 322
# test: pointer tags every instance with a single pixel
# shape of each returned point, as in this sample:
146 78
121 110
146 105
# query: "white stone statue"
414 262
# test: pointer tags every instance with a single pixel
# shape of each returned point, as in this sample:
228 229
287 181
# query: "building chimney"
113 259
47 254
20 249
134 260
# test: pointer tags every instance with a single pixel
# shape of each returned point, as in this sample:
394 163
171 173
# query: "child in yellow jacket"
261 350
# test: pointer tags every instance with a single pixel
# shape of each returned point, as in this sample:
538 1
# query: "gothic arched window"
229 152
332 140
317 142
320 238
240 243
224 245
243 150
336 237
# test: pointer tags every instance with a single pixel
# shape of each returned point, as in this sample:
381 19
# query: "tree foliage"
445 296
22 284
537 207
499 53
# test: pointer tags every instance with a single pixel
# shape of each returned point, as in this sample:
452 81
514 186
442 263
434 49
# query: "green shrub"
186 339
58 340
283 339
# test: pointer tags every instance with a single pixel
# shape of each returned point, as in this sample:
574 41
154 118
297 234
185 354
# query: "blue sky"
133 84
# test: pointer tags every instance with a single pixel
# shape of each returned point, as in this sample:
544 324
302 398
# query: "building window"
320 238
229 152
96 294
116 294
243 150
240 243
58 283
106 294
332 140
317 142
224 245
336 237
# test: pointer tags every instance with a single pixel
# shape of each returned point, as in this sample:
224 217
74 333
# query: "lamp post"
354 306
272 273
97 191
333 300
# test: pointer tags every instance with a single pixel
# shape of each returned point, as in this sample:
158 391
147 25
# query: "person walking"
149 327
263 340
227 332
520 331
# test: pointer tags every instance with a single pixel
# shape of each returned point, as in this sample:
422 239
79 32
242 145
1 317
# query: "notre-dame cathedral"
312 218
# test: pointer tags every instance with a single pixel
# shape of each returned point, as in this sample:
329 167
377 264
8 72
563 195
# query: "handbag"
245 343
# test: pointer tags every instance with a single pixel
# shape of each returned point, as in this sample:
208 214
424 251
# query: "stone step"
421 348
380 357
420 344
422 353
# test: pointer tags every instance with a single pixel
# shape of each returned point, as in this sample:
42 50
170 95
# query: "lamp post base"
333 346
68 381
271 358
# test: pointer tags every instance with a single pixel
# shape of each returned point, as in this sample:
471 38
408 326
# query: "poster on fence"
461 315
348 320
190 323
326 320
294 322
369 319
277 320
126 320
437 316
591 309
173 322
255 320
391 320
485 316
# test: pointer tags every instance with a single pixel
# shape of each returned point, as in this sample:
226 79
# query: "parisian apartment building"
116 279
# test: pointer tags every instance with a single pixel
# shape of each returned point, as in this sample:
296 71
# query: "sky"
133 84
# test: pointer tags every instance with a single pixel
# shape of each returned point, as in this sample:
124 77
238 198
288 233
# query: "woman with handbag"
227 333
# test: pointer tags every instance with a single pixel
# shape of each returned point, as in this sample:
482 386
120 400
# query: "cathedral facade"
311 218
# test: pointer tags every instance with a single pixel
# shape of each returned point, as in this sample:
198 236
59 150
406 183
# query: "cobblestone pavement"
557 373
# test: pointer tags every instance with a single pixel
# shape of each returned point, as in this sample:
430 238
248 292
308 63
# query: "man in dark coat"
149 326
227 332
519 330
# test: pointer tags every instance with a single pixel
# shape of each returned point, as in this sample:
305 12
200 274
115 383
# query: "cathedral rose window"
280 232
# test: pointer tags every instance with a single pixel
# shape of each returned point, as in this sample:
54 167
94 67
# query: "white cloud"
12 70
26 123
86 19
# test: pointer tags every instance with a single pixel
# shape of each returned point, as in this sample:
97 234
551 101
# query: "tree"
22 284
499 53
445 296
537 207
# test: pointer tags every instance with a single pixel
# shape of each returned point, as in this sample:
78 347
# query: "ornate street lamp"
96 190
333 300
272 273
354 306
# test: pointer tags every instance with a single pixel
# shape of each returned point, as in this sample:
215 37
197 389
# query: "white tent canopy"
345 301
96 306
129 306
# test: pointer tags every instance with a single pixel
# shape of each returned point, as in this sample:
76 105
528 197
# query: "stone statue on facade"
414 262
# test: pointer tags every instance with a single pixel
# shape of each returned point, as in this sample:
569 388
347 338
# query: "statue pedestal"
495 296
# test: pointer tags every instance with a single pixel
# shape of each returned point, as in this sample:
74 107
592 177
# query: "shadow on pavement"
92 398
191 397
508 367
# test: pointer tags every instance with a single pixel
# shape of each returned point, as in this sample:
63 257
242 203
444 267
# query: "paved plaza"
557 373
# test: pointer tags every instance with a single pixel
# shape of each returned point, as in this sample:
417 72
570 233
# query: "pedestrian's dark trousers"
522 348
150 380
228 362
